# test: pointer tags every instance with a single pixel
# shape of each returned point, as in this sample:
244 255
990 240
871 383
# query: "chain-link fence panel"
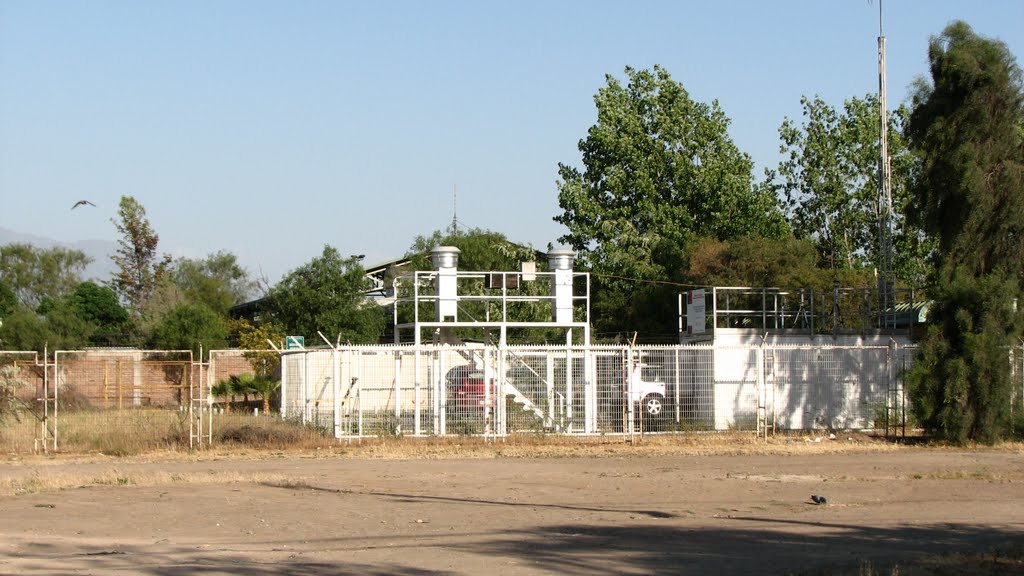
24 411
899 417
837 388
476 389
122 401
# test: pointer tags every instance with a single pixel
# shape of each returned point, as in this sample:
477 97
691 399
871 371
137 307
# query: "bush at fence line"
384 423
244 430
11 383
230 388
463 426
522 419
245 384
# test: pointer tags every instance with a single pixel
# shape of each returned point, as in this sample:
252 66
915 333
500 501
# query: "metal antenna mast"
455 209
886 281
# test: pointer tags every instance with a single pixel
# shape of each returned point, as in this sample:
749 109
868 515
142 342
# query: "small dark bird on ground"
82 203
819 499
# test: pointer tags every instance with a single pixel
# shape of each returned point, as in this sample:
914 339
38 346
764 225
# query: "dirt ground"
621 514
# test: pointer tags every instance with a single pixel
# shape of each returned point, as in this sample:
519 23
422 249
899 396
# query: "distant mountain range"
99 250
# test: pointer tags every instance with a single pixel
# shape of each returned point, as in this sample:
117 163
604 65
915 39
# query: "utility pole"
886 280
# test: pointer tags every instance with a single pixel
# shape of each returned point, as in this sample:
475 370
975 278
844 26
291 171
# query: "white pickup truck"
649 394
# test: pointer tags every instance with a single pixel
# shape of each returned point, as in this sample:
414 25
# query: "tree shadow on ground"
777 547
754 546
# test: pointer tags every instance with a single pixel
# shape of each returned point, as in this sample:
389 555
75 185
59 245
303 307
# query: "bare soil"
617 513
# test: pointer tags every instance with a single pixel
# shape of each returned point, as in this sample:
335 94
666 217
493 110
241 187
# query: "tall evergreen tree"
138 266
967 127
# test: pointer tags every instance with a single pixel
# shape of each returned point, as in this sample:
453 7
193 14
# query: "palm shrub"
222 389
264 388
241 385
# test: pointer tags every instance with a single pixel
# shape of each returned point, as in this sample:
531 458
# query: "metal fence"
112 400
109 400
24 424
441 390
115 401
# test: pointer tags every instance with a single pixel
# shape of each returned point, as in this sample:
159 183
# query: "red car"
466 390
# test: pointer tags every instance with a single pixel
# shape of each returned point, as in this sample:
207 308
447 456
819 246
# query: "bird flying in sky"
82 203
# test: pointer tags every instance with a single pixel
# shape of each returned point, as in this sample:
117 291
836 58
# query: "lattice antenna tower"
455 210
886 280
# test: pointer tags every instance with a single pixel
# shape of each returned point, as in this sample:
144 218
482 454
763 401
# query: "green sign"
295 342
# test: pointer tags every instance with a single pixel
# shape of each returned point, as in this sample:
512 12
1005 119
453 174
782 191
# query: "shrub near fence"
23 417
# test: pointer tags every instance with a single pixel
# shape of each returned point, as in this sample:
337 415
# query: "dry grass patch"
531 446
1005 560
38 483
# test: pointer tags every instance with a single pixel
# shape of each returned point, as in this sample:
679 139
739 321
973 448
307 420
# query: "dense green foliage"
194 327
478 250
244 385
966 127
8 299
659 171
829 179
217 281
485 250
327 295
35 274
99 306
786 263
256 340
59 329
88 315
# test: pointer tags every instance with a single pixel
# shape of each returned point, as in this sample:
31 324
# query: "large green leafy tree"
99 306
139 267
256 341
60 328
218 280
327 294
829 179
487 251
36 274
8 299
659 170
481 250
749 261
61 323
192 327
968 128
88 315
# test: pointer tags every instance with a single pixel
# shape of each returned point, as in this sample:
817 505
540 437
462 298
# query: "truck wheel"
654 405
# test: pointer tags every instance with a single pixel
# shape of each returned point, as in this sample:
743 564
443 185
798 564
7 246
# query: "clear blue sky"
269 129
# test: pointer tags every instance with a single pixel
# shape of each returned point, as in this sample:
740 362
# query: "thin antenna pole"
885 249
455 209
